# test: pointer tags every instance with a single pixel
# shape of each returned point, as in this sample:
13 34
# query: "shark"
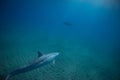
67 23
42 60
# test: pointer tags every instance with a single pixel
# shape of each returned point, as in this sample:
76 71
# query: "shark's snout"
56 53
53 55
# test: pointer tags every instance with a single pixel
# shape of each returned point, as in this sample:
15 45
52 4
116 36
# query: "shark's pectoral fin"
39 54
53 61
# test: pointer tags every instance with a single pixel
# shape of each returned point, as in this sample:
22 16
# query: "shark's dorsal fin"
39 54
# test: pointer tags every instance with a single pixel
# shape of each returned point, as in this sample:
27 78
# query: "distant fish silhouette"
67 24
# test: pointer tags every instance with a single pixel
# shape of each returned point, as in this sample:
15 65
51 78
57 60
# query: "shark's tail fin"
4 77
7 77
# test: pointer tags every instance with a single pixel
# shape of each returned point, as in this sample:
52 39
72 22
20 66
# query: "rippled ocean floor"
78 60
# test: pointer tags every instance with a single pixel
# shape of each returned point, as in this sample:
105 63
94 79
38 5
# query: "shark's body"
67 23
40 61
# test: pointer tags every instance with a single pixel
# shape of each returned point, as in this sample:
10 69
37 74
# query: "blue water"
87 37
